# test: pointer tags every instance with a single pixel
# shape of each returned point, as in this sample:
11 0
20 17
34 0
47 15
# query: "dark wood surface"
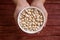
10 31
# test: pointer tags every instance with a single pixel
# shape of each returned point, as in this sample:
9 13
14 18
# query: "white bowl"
31 32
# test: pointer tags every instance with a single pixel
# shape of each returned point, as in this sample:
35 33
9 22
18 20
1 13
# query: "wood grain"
10 31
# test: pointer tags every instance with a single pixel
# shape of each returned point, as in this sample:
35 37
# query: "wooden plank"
7 7
52 6
52 1
8 12
14 37
49 7
15 33
11 2
47 31
6 2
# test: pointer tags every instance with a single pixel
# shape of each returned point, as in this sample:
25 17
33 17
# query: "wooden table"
10 31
